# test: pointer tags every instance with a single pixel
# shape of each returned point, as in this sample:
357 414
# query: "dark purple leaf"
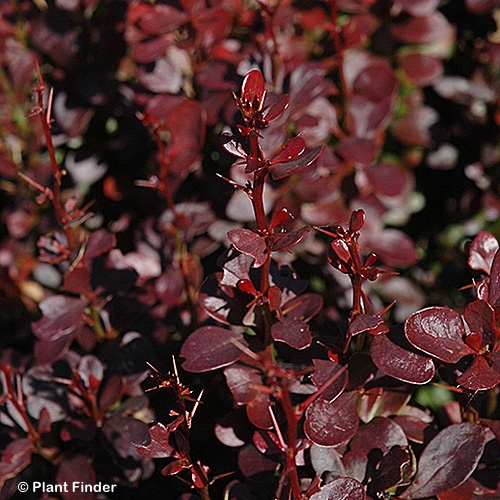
16 457
395 469
480 376
258 411
388 180
413 427
494 285
447 461
381 433
251 461
324 370
413 127
367 323
285 240
76 469
343 488
423 29
304 306
211 347
481 251
438 331
421 69
480 318
293 332
355 465
277 108
61 316
394 248
242 381
330 424
401 362
159 19
357 151
156 444
249 243
233 429
284 169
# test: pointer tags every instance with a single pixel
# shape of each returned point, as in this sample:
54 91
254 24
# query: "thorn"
245 349
49 106
189 417
282 443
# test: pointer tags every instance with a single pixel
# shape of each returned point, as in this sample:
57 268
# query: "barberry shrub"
218 277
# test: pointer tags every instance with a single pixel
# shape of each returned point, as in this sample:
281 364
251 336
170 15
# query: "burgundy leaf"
480 318
157 445
293 332
251 461
61 316
16 457
76 469
482 251
394 248
233 430
438 331
253 87
413 127
324 370
367 323
258 411
277 108
447 461
357 151
249 243
381 433
232 145
413 427
388 180
423 29
211 347
172 468
304 306
395 469
330 424
421 69
480 376
242 381
285 240
293 148
284 169
343 488
494 284
392 358
159 19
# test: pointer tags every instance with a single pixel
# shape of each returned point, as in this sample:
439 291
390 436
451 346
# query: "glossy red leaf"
211 347
253 87
250 243
343 488
438 331
330 424
232 145
292 332
292 149
285 169
447 461
277 108
173 468
481 251
393 358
